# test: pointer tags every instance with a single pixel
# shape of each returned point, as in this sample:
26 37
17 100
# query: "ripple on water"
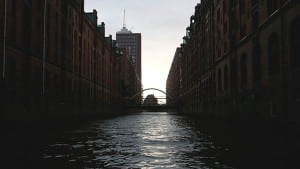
146 140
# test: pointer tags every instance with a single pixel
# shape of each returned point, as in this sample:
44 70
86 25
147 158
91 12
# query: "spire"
124 29
124 20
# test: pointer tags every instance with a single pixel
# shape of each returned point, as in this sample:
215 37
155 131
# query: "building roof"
124 30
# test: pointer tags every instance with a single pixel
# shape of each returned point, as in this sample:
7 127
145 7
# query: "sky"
162 24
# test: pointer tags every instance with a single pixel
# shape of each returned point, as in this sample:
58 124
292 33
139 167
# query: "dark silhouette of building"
56 61
150 100
174 81
130 83
132 43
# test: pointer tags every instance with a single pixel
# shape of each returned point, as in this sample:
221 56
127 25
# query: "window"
226 77
38 78
243 30
224 6
218 15
273 54
47 80
295 44
242 7
243 67
272 6
14 22
256 63
48 20
56 81
12 68
219 80
233 73
225 27
26 27
255 20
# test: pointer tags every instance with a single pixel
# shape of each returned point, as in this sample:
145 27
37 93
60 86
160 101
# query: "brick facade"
239 60
79 72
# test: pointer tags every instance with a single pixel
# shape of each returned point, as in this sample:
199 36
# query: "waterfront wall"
240 59
57 62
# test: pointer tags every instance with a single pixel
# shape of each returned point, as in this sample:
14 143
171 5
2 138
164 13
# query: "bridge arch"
140 92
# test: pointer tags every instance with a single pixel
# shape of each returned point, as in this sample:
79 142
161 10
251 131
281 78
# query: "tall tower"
132 43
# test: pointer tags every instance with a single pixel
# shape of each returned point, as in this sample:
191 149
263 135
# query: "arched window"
233 73
12 69
243 70
256 63
27 12
219 80
273 54
226 77
295 44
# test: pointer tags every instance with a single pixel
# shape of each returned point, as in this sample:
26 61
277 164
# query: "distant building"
150 100
132 43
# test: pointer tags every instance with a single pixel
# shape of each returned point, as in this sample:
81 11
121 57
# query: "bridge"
160 107
157 107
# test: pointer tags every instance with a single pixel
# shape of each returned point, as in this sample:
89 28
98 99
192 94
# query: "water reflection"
146 140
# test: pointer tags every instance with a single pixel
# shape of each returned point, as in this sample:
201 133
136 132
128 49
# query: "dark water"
144 140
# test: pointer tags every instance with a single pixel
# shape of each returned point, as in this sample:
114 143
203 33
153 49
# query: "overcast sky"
162 24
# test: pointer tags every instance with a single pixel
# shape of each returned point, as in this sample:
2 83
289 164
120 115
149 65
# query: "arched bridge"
157 107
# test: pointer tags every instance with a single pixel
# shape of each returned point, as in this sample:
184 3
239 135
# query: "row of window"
272 5
274 59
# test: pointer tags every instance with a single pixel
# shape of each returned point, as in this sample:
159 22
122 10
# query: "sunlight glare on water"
142 140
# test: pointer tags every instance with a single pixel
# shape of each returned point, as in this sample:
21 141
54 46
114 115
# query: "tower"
132 43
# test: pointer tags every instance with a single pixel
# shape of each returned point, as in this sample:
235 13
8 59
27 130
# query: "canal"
141 140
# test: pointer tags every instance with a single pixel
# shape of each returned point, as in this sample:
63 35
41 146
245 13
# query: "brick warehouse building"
241 59
57 64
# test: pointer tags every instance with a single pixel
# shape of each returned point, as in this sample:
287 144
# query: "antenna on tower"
124 21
